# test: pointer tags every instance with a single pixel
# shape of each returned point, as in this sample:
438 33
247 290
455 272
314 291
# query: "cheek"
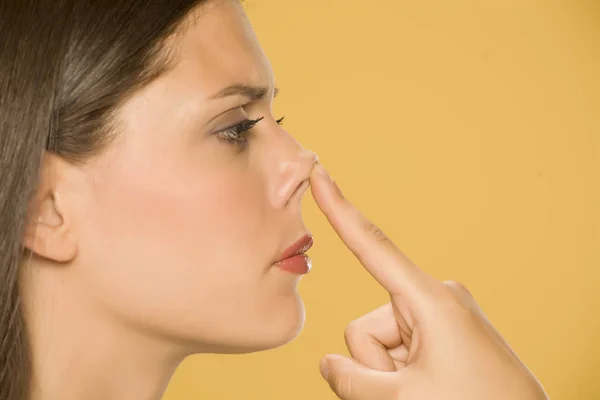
177 234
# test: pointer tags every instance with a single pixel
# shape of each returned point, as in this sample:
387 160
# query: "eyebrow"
253 93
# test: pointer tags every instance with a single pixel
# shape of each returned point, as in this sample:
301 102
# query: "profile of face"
172 231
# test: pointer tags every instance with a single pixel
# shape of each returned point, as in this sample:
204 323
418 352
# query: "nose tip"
311 157
295 177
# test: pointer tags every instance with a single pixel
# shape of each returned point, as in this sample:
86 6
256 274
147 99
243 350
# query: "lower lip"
298 265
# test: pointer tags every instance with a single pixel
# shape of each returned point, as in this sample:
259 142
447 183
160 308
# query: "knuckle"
458 288
352 331
375 231
457 301
450 296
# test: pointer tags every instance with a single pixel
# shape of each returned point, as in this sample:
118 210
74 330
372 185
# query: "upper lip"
301 246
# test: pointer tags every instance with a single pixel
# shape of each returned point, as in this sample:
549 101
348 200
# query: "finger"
375 340
467 301
350 380
461 293
382 259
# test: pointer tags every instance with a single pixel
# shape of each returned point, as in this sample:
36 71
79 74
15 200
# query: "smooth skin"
149 252
432 341
164 244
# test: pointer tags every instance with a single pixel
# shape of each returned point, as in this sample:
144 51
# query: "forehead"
218 47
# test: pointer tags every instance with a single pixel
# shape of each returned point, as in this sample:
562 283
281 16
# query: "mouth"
294 258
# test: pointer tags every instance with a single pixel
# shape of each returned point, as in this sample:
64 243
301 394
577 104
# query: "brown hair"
65 67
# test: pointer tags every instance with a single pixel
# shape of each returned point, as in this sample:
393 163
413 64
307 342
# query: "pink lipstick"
294 259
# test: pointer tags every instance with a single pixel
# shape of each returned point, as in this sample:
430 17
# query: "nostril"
308 161
293 179
300 190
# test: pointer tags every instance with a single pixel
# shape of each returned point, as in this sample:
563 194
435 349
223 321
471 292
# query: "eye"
238 133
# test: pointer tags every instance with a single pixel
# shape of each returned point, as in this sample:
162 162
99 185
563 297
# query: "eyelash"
238 133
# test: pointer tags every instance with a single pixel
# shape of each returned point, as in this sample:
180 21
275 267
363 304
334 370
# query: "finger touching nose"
382 259
294 177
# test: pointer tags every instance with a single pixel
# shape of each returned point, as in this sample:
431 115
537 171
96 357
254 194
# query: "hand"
431 341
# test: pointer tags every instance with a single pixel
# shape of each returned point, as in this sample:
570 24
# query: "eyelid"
241 107
245 124
230 118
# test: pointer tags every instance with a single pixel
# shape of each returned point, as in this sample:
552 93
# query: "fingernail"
324 368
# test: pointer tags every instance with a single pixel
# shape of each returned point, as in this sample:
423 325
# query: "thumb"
351 380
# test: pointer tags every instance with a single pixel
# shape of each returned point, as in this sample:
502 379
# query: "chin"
278 326
286 328
274 330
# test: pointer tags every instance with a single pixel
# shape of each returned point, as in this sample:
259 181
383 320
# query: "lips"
299 247
294 259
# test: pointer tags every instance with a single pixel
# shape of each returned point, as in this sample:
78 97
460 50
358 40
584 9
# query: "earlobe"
48 232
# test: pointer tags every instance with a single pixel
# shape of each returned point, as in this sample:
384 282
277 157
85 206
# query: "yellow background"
469 131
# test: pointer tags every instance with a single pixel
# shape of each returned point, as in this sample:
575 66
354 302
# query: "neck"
79 353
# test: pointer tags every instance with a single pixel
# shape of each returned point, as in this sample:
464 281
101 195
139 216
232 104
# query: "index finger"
382 259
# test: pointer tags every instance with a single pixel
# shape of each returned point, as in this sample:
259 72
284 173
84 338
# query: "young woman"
150 209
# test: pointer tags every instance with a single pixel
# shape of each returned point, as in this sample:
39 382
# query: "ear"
49 231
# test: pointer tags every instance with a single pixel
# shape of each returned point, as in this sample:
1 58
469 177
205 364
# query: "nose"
293 165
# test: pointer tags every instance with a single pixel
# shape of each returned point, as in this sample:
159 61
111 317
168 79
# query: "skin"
431 341
163 245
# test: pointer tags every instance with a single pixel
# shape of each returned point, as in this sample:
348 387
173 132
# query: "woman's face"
177 227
